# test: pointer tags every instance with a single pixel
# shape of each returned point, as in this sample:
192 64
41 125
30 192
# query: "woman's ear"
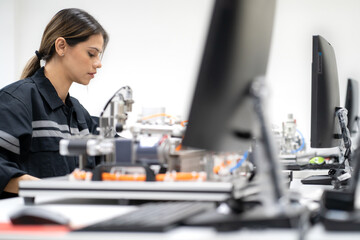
60 46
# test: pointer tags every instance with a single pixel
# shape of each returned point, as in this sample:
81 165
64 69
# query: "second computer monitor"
352 105
325 96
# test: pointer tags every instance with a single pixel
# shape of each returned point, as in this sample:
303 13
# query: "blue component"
302 143
240 162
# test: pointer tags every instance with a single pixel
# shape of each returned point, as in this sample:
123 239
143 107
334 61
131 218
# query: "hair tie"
39 55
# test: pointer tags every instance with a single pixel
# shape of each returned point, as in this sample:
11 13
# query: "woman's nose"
97 64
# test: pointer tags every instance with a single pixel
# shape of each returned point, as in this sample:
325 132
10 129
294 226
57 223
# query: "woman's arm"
13 184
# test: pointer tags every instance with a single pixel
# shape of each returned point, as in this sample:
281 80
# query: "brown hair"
73 24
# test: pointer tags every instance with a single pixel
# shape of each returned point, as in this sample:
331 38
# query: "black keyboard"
152 217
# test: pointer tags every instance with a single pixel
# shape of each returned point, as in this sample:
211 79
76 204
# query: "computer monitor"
352 105
325 130
222 116
328 125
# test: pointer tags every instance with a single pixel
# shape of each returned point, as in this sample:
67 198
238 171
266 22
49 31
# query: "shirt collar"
47 90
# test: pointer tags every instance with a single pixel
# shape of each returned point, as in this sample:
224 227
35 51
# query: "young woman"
37 112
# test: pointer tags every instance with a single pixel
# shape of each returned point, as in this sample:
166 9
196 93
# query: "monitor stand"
335 177
338 211
255 217
318 180
346 221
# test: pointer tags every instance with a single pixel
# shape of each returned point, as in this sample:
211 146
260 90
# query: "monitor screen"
222 116
325 130
352 105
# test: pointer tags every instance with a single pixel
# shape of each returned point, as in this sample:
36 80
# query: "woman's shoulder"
19 86
21 91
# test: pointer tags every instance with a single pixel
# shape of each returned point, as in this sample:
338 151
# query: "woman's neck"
58 79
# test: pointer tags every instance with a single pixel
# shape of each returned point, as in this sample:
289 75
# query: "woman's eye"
91 55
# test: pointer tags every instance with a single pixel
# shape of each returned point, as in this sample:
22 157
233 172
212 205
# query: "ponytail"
32 66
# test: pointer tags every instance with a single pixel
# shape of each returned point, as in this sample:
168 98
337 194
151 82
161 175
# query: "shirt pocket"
45 161
45 144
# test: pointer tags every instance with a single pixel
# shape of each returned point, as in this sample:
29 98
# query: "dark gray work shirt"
33 121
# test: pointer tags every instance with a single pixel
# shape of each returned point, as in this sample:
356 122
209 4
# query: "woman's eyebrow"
95 48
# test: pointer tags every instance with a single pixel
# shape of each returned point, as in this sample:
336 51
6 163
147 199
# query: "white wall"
289 71
155 47
7 46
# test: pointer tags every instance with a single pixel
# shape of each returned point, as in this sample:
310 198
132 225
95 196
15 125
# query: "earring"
62 54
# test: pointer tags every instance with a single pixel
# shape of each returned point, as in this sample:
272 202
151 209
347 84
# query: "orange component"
178 148
105 176
184 122
81 175
181 176
157 115
217 168
122 177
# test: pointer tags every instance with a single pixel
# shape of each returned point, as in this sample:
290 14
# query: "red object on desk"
9 228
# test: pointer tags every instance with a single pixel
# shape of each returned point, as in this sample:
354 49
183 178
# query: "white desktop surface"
83 214
308 191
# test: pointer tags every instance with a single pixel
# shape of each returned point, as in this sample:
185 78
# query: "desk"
79 214
83 212
307 191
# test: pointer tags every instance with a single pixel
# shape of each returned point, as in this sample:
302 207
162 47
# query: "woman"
37 112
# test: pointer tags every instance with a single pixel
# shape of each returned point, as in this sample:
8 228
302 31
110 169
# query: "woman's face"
82 60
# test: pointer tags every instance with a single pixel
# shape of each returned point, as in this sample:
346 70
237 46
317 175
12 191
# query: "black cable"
108 102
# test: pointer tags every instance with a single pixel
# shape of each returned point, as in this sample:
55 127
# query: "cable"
240 162
108 102
302 143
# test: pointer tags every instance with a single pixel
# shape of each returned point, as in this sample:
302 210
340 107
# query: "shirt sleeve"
15 135
83 115
93 123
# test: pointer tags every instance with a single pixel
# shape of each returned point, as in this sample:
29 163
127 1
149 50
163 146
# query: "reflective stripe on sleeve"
61 130
47 124
50 133
9 142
